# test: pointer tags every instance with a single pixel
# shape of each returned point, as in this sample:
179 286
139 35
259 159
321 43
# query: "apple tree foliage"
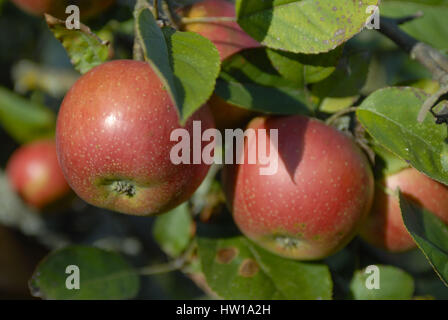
318 59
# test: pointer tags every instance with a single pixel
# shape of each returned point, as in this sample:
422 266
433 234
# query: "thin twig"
428 56
174 265
162 268
429 103
171 14
412 17
186 20
339 114
138 50
156 9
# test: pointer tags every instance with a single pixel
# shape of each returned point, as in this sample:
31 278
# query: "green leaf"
333 105
85 49
394 284
302 68
430 234
172 230
386 162
305 26
23 119
249 80
237 269
430 28
187 63
348 79
103 275
390 117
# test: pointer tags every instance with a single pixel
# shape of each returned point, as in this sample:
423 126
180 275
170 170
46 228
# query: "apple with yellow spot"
316 200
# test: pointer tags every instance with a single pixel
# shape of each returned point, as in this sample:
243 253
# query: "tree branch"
428 56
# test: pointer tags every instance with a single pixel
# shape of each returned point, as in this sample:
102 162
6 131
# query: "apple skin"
316 201
384 227
113 141
88 8
227 36
34 173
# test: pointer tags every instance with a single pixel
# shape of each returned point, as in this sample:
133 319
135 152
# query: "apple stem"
173 17
156 9
173 265
124 187
330 121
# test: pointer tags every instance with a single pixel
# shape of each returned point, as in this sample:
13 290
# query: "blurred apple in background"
384 227
34 173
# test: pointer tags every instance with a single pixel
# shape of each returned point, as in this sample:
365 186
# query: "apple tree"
340 175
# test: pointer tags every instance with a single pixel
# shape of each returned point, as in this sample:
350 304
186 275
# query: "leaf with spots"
430 28
85 49
394 284
235 268
430 234
390 117
25 120
102 275
249 80
187 63
305 26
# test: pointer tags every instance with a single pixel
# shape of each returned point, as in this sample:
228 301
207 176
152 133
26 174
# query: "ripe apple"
88 8
227 36
384 227
315 202
34 173
113 140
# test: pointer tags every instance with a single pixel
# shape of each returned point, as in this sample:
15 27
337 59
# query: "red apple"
314 203
113 139
385 227
88 8
35 174
227 36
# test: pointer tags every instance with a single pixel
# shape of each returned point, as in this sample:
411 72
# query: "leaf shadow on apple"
290 146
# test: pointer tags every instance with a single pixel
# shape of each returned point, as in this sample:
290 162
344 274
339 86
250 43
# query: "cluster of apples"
113 145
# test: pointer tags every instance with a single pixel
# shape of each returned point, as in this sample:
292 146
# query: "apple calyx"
124 187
